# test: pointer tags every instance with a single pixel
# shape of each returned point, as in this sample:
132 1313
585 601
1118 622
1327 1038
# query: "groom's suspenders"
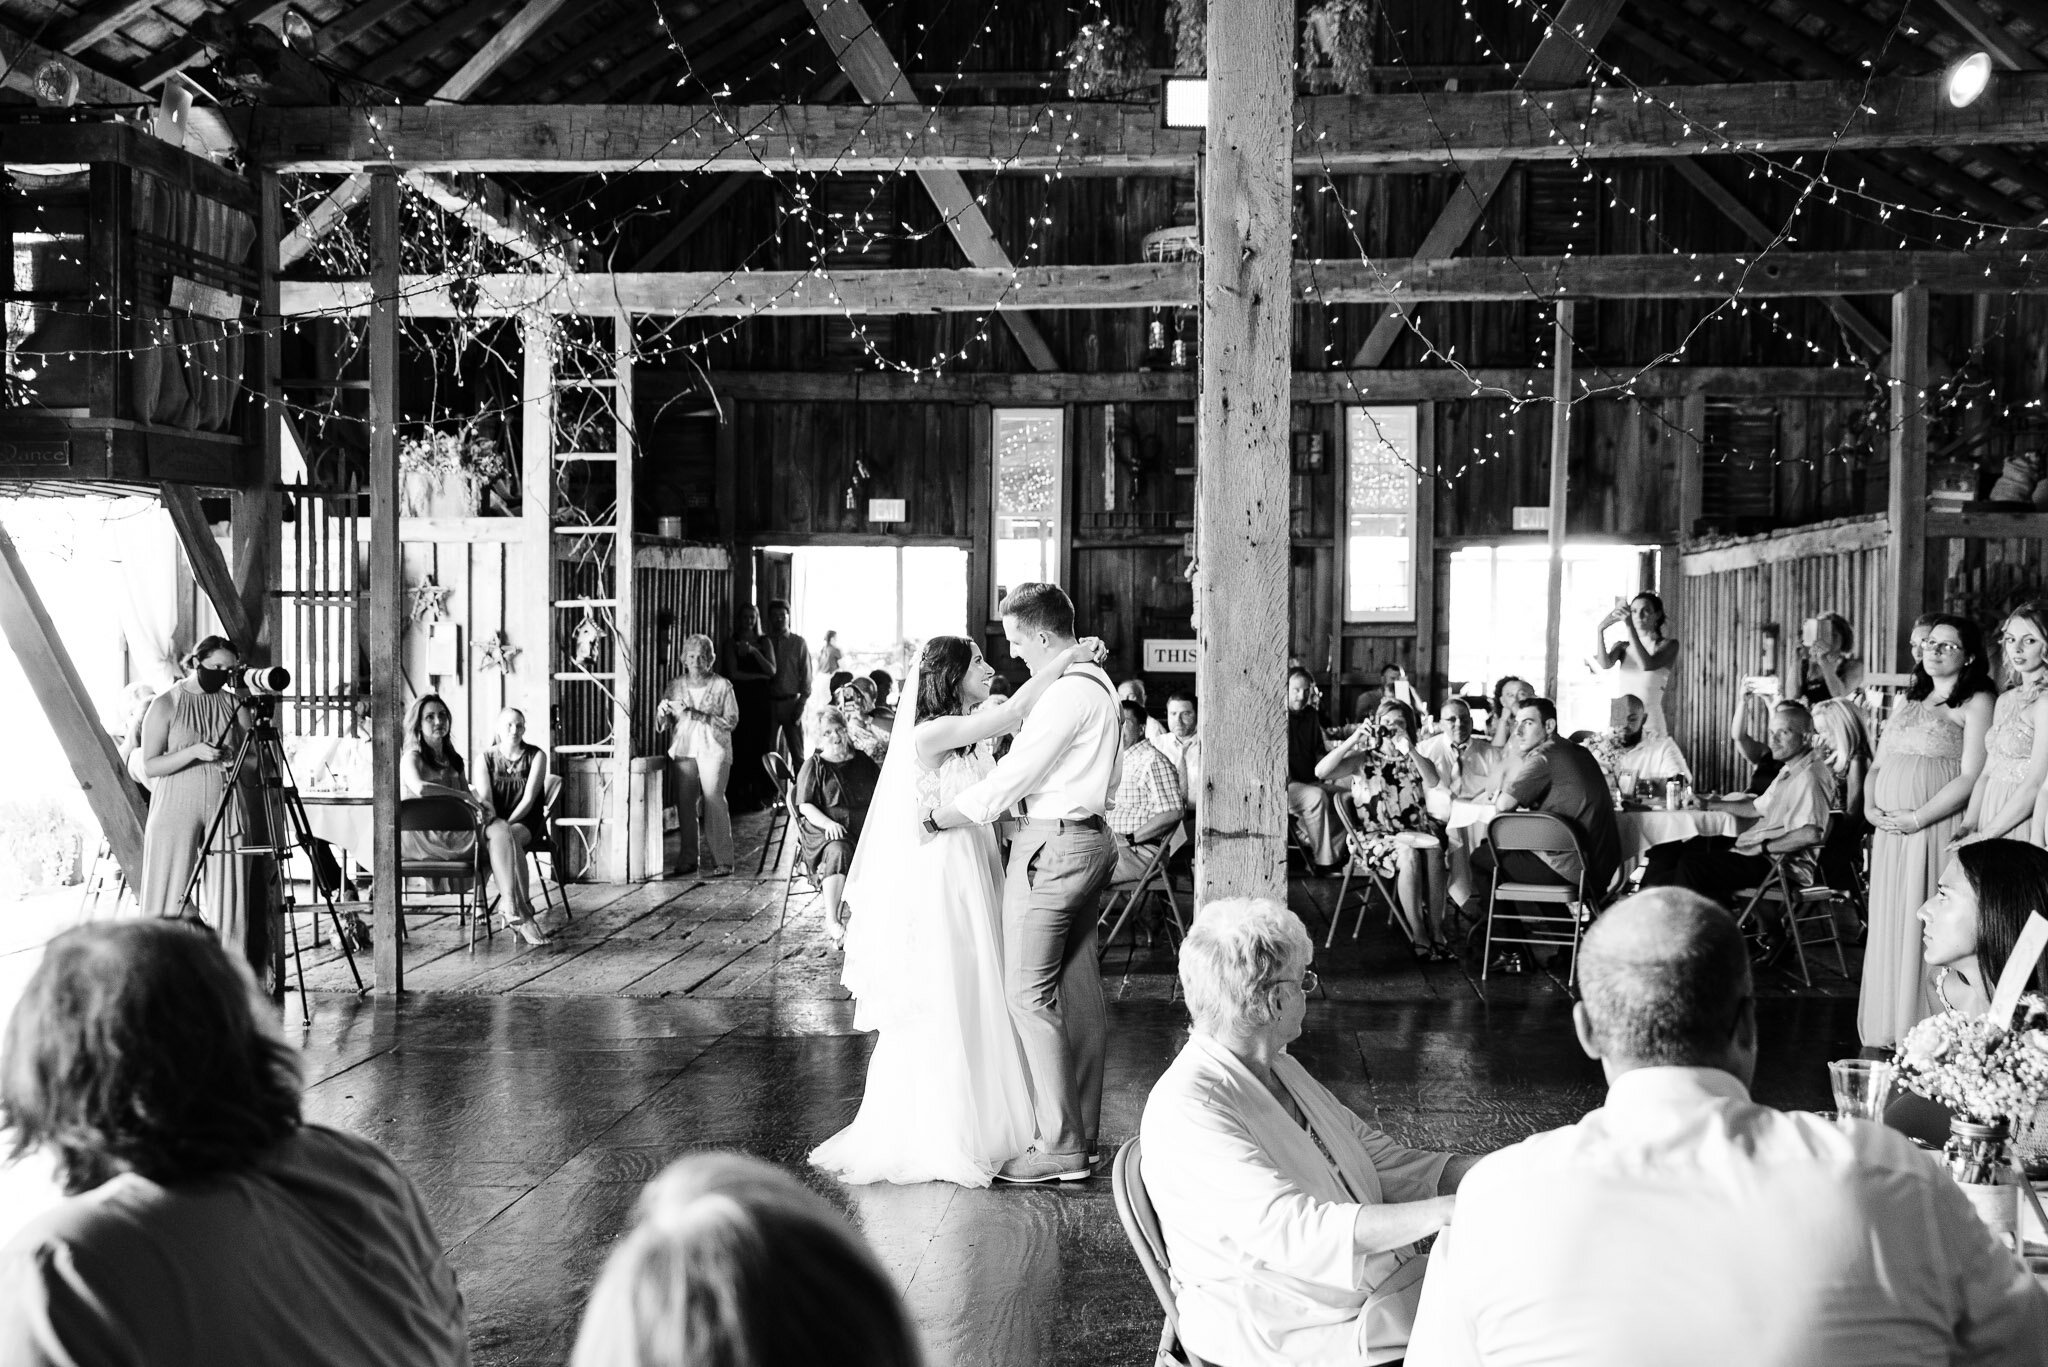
1116 768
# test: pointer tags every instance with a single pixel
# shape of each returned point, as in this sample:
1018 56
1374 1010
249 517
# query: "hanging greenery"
1188 22
1105 61
1336 45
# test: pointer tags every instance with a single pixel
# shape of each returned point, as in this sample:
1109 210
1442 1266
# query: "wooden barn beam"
69 707
880 80
20 58
209 566
1561 58
1242 547
1560 495
382 615
98 21
1482 279
1998 40
1906 493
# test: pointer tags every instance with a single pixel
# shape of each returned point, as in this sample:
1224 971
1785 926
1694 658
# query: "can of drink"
1674 793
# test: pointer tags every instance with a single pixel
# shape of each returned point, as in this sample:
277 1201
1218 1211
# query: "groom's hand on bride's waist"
946 818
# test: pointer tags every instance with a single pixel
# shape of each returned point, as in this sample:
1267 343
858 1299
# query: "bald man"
1684 1224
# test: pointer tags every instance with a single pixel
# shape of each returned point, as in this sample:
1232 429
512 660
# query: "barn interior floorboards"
530 1093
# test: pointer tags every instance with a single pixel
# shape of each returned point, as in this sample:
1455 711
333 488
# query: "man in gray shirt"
1563 779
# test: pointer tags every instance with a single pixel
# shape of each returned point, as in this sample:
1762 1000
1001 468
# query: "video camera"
260 681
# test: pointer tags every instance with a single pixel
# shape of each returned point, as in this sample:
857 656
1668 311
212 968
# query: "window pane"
1028 498
1379 528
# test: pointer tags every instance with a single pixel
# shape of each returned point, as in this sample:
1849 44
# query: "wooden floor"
531 1091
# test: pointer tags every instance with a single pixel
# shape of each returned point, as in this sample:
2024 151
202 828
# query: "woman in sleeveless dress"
189 737
431 766
516 777
2016 748
947 1096
1928 760
1642 659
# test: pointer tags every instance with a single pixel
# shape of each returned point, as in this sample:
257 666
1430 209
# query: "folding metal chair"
1352 864
1162 835
1148 1241
445 815
793 820
1538 833
544 844
1782 887
780 815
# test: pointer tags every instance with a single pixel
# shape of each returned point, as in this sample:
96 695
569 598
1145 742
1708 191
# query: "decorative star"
430 602
497 653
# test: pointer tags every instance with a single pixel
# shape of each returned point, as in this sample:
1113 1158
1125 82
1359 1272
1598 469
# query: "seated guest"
1149 789
856 703
1684 1225
832 795
207 1222
1308 798
1791 814
1179 742
431 766
1635 751
1563 779
1133 690
1466 764
731 1260
1289 1222
1508 696
1842 740
1396 836
883 715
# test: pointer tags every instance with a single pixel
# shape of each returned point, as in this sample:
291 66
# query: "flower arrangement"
1606 748
1983 1071
457 462
1336 45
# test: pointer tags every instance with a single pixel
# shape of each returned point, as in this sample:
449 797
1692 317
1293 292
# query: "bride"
947 1095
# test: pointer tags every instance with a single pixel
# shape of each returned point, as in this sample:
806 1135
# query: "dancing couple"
983 983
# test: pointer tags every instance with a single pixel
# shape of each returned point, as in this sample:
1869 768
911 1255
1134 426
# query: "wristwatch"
931 823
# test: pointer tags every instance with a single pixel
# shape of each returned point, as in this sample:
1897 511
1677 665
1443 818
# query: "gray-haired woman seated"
207 1225
731 1260
1290 1223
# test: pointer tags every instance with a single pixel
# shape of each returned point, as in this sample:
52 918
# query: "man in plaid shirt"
1151 787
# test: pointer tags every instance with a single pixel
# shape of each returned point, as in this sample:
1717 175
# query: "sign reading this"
1170 657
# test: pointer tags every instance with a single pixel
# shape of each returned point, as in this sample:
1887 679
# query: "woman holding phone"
1642 659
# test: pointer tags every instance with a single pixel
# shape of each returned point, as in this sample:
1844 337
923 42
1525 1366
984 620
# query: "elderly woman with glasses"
1289 1222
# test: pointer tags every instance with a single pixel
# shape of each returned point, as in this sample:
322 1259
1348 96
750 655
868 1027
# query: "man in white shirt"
1468 764
1063 767
1684 1224
1646 756
1180 743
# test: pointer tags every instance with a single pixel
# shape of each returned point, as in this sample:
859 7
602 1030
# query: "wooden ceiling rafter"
354 24
701 66
96 23
183 52
1979 26
428 39
544 73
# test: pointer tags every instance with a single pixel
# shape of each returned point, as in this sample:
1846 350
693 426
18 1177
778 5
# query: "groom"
1063 768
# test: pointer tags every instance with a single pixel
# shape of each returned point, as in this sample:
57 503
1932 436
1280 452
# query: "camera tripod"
286 828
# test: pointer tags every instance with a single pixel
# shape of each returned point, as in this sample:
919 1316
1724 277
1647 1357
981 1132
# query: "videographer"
189 736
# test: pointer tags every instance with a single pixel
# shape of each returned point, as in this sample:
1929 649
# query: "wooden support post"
981 531
94 760
382 615
1906 506
1241 607
535 606
209 567
1425 556
258 508
625 663
1560 490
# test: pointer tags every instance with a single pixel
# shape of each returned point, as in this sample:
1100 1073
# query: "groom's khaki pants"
1057 871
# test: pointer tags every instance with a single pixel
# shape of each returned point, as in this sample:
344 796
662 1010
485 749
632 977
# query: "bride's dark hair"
941 666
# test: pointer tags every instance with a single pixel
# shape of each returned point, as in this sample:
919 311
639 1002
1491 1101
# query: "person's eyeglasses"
1940 648
1308 982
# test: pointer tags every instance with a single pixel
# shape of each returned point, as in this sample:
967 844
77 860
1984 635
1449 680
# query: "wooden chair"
781 814
445 815
1813 904
1353 864
1141 1227
1538 833
544 844
1162 836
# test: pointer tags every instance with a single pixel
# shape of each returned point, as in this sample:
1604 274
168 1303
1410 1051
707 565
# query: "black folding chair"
444 816
780 815
1160 838
1538 833
1782 887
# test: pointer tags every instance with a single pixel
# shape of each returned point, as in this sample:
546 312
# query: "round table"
343 820
1639 827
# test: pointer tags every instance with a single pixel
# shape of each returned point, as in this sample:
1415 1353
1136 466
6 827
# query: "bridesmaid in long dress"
2016 748
189 736
1928 761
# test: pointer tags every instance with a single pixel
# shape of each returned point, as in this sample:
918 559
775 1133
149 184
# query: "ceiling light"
1965 81
295 26
1184 102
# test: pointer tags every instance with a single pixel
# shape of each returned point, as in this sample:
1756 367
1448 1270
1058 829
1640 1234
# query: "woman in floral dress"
1396 837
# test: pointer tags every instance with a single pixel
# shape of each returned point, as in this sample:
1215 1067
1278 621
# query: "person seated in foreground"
1309 795
1289 1221
1466 763
1636 752
207 1224
1149 789
732 1260
1790 815
1561 778
832 794
1683 1224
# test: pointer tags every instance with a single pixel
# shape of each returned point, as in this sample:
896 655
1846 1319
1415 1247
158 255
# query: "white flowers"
1978 1068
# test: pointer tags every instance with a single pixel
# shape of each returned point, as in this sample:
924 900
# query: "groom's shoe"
1033 1166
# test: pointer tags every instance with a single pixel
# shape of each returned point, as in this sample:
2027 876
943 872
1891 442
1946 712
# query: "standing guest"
1827 669
856 708
1150 788
1563 779
1508 696
2016 747
516 779
1397 837
207 1224
732 1261
1646 754
1290 1223
1179 742
1927 763
1467 765
1791 814
1133 690
829 655
1393 684
790 659
704 709
189 735
1308 799
832 795
1642 658
1684 1225
1842 738
750 669
431 766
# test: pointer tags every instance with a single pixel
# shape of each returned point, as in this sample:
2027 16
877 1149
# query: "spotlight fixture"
56 85
1966 80
295 26
1184 102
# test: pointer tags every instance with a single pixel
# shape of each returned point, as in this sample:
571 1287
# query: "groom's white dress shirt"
1684 1224
1064 759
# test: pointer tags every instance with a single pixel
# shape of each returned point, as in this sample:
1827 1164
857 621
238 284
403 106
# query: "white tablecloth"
343 821
1639 830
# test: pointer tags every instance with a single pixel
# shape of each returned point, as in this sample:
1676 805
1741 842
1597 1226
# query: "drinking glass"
1861 1087
1628 786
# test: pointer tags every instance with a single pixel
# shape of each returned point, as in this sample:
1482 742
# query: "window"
1030 502
882 600
1379 525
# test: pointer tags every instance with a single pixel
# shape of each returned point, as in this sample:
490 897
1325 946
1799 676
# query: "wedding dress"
948 1098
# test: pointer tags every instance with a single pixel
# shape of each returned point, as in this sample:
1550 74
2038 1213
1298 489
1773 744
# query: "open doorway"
1499 610
883 601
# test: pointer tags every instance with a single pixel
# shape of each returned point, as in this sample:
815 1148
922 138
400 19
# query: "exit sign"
1535 519
888 510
